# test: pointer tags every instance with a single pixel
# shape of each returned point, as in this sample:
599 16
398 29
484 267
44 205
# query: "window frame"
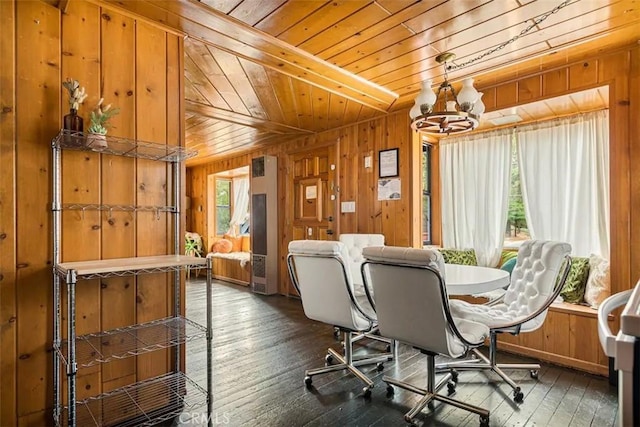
229 207
510 242
426 194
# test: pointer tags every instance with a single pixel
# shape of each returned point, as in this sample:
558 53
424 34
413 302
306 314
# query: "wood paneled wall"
138 68
356 183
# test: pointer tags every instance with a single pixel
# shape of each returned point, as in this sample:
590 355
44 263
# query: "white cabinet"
152 400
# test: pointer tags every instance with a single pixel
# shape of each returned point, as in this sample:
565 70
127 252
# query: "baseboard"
570 362
231 280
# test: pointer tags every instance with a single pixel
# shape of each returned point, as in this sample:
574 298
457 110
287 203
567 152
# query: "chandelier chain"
502 45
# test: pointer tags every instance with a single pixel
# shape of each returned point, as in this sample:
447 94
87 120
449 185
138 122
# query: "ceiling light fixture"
461 112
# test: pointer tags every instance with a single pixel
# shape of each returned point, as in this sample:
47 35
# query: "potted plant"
73 123
99 123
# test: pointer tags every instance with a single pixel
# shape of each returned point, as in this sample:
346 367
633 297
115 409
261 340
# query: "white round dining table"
473 279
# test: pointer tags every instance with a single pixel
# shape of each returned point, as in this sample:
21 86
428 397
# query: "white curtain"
240 203
564 173
475 177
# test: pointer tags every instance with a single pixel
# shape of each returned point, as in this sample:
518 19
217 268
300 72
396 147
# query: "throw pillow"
222 246
509 264
235 241
599 282
459 256
576 283
506 256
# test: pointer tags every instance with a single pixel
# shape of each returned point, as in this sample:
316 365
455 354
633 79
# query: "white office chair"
319 271
354 244
413 307
536 281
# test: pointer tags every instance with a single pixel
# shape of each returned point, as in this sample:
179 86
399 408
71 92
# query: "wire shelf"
103 347
71 140
145 403
118 267
122 208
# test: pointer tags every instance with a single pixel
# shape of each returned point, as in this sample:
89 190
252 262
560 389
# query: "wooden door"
312 180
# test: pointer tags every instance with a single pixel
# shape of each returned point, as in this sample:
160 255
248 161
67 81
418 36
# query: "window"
516 221
223 205
426 194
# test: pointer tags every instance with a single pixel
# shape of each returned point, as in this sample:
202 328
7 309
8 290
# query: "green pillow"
459 256
576 283
509 264
507 255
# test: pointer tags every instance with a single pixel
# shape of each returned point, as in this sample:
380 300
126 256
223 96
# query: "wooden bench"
234 267
568 337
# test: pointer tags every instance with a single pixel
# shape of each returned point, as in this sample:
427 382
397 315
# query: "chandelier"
461 113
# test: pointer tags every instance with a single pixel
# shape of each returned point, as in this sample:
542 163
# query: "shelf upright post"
55 208
175 170
72 366
176 250
209 342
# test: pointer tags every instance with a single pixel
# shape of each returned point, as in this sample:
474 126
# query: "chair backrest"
537 278
319 271
354 244
410 298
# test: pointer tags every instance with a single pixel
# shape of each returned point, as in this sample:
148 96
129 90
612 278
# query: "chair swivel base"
430 394
481 362
347 362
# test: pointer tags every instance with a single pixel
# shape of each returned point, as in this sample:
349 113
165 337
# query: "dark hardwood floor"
263 344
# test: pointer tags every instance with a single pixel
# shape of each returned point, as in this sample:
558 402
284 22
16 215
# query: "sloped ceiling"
261 72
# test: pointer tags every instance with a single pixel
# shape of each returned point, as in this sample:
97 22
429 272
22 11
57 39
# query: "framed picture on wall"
388 163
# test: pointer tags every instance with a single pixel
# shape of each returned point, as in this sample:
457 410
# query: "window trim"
215 203
426 163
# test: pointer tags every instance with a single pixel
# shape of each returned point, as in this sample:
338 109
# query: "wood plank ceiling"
260 72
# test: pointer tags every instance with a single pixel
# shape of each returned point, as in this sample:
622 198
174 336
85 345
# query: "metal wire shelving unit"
150 401
145 403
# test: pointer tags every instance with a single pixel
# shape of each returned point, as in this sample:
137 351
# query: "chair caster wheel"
454 375
484 421
380 366
431 405
329 359
451 387
390 390
366 392
534 374
336 333
308 381
518 396
388 348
